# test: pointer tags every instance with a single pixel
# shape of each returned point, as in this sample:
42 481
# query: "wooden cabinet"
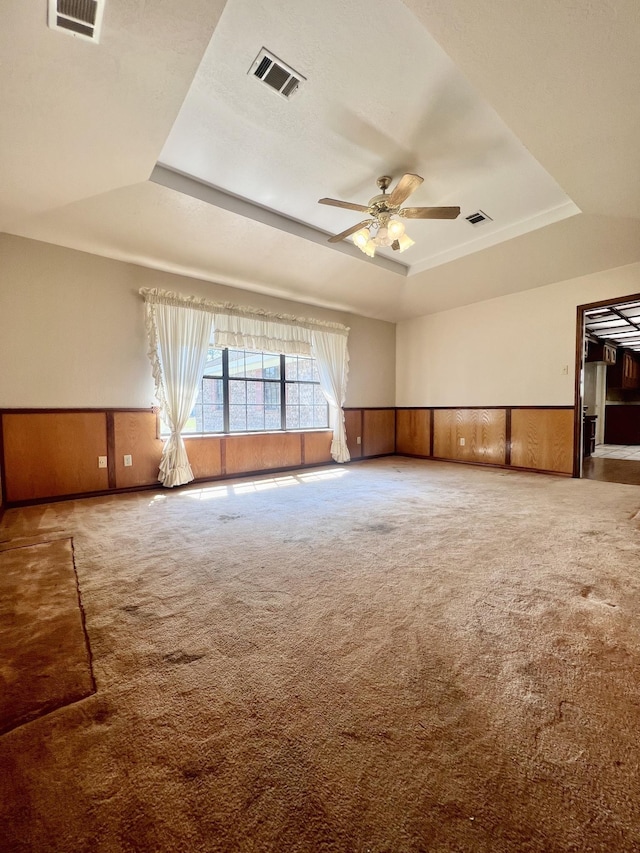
625 373
588 434
601 352
622 424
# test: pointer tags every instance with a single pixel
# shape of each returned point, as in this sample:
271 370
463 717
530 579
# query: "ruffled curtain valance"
237 327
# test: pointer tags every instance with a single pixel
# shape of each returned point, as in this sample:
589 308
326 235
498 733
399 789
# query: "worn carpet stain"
394 656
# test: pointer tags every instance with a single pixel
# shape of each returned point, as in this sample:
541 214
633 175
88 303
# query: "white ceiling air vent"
275 73
478 218
79 18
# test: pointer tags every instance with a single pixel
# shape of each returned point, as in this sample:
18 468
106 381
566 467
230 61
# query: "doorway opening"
607 422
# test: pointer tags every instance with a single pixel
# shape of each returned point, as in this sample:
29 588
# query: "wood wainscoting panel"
317 447
205 455
542 439
353 425
412 431
263 451
378 431
48 454
484 432
136 435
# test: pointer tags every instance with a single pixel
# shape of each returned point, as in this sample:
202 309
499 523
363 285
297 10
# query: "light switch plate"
102 461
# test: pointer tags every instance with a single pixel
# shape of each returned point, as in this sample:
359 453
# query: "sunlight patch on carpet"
45 660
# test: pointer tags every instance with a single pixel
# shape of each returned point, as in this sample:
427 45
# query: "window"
243 391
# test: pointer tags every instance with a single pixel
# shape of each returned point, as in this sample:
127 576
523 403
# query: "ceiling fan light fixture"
361 238
383 238
405 242
396 229
370 249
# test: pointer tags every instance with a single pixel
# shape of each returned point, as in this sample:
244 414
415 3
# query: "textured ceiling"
523 105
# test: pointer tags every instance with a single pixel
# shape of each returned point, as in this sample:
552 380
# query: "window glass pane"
213 365
293 417
272 417
255 417
255 392
292 393
305 369
237 418
213 418
271 363
318 397
321 416
306 395
306 417
272 394
253 365
211 391
291 367
236 362
237 391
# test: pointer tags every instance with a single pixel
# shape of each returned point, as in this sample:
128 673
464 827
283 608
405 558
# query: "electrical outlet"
462 442
127 461
102 461
359 440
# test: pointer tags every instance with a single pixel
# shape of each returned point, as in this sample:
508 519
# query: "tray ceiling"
157 146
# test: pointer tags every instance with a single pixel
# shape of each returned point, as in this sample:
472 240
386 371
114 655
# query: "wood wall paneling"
412 432
542 439
53 454
379 432
317 447
483 432
353 425
135 434
205 456
263 451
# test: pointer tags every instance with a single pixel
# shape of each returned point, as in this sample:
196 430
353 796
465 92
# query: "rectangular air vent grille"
478 218
78 18
275 73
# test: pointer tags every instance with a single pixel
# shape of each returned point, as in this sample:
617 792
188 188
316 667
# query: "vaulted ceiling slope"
526 111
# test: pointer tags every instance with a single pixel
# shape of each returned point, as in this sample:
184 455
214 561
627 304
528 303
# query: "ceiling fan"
381 229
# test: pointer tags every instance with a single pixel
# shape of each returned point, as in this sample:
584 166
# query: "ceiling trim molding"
187 185
515 229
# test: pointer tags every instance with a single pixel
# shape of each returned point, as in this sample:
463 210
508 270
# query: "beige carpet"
44 656
387 657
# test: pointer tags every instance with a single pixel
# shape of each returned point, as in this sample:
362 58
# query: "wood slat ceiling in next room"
619 324
527 111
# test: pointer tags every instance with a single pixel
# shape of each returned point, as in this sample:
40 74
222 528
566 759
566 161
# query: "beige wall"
72 333
508 351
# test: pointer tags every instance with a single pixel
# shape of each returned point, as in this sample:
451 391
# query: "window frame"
282 382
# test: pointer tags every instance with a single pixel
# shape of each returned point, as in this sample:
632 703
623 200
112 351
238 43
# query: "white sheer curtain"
179 338
180 329
261 334
332 361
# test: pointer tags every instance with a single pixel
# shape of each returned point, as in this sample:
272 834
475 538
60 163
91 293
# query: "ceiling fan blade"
430 212
406 185
348 205
343 234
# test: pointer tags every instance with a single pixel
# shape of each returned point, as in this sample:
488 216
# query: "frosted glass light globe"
395 229
383 238
361 238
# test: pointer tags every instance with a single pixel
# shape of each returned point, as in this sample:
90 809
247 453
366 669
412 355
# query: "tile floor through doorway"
617 451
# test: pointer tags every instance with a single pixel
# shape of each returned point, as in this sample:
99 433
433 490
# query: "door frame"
580 359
